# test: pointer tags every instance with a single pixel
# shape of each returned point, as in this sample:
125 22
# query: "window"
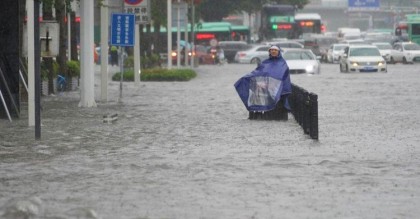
415 29
263 49
411 46
298 55
365 52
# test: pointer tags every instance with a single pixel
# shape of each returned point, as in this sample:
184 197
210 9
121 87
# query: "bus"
221 31
308 23
277 21
206 31
413 27
241 33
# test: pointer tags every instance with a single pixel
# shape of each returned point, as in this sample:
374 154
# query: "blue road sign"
364 4
122 29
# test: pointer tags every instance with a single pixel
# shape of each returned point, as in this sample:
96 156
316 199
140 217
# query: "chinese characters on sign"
122 29
140 8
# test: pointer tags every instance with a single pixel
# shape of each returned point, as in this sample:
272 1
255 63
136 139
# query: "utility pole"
104 50
87 68
169 32
37 67
31 61
193 31
178 35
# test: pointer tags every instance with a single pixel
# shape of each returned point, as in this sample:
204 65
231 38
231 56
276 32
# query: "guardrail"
304 107
278 113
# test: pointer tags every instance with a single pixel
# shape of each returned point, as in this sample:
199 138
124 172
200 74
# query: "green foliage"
129 62
151 61
45 71
127 76
56 68
155 59
158 11
144 61
47 5
158 74
212 10
73 68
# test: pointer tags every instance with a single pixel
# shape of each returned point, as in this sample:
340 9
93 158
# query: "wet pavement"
187 150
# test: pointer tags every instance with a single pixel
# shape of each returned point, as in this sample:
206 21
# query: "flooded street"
187 150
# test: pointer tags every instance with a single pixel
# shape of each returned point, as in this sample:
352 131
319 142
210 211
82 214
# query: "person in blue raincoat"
263 88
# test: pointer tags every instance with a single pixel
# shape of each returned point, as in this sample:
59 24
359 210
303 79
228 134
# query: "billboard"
364 4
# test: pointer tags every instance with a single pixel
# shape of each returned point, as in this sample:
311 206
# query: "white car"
362 58
254 55
385 50
301 61
405 52
334 52
354 42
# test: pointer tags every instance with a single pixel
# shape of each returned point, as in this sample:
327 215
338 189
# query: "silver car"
301 61
385 50
254 55
335 51
405 52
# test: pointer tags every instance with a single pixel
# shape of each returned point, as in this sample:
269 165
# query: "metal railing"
278 113
304 107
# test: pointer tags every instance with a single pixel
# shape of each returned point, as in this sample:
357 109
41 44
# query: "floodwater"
187 150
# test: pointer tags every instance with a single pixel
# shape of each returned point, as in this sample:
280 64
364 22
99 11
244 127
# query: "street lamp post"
169 32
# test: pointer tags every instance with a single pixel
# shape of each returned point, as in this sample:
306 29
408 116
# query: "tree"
298 3
158 13
216 10
60 8
250 6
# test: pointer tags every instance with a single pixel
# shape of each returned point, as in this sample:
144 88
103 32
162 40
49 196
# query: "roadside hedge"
158 74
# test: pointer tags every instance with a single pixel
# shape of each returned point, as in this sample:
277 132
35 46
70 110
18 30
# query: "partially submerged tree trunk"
62 50
157 41
22 14
74 52
48 16
147 49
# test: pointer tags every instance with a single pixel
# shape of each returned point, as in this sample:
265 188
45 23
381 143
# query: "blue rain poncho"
263 88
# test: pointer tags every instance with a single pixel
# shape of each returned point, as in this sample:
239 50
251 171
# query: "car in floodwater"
254 55
385 49
335 51
230 48
301 61
405 52
362 58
